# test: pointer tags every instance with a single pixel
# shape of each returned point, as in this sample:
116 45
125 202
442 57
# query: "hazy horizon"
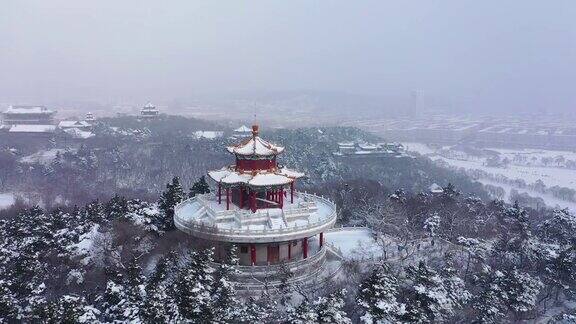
511 57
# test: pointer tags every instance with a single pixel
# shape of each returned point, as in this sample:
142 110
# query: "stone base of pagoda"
312 272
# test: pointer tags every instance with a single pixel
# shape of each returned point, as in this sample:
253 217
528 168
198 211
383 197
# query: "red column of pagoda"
305 248
292 192
253 254
219 193
321 239
227 198
241 194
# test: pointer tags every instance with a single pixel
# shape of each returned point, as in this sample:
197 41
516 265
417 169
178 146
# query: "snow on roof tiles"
32 129
243 129
28 110
256 146
73 123
259 179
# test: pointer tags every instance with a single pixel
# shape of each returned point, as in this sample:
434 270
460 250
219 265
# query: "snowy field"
6 200
549 175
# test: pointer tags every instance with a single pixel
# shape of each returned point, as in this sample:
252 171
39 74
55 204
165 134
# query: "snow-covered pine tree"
193 287
199 187
252 312
426 296
432 224
159 306
69 309
378 297
173 195
116 208
113 302
330 309
303 314
225 303
135 292
9 311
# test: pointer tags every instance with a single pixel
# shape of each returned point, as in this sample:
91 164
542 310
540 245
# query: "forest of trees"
110 253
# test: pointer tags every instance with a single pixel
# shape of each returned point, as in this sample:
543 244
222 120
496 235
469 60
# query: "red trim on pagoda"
249 165
305 248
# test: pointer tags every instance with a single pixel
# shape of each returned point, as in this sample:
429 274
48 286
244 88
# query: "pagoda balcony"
202 216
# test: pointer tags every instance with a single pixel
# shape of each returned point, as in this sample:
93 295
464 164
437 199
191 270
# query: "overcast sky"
514 55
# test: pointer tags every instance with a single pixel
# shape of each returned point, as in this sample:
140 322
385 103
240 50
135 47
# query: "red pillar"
241 194
289 250
219 194
321 239
305 247
253 254
281 198
292 192
227 198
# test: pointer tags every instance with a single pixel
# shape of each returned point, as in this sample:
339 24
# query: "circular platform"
203 217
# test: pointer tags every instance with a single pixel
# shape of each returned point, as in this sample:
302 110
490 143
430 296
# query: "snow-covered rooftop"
208 134
32 129
77 133
28 110
261 178
73 123
435 188
243 129
255 146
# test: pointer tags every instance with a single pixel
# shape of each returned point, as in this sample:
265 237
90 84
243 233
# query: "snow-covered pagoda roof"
261 178
73 123
32 129
243 129
255 146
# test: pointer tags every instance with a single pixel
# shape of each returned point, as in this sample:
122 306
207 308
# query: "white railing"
191 224
293 266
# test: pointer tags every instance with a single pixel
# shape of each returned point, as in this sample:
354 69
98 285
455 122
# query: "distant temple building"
28 115
79 124
89 117
353 149
241 132
149 112
257 208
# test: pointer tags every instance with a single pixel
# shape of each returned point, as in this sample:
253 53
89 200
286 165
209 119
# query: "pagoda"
90 117
149 111
255 206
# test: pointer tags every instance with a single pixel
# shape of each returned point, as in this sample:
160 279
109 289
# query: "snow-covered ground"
549 175
549 199
354 243
6 200
42 157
